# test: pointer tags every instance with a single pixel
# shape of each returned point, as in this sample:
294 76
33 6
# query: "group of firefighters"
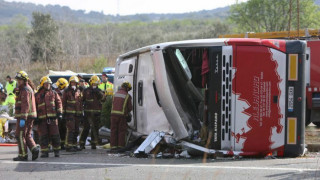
58 109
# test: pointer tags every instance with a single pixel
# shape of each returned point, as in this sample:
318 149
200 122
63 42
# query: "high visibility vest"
11 86
104 86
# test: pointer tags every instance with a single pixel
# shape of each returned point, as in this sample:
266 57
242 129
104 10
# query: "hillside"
65 14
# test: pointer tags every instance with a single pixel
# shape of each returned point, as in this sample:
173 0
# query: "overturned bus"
238 96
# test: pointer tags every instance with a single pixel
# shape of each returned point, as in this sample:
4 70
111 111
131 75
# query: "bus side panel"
259 99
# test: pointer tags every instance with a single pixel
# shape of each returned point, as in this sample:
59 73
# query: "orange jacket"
121 104
72 101
92 100
25 103
48 104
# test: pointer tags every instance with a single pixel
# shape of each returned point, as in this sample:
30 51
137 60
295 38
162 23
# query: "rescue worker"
49 110
11 98
105 84
25 109
3 97
83 85
62 84
92 97
106 108
72 107
120 113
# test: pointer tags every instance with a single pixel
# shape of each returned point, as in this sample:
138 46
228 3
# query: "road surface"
97 164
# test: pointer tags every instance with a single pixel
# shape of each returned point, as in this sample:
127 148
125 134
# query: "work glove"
22 123
129 117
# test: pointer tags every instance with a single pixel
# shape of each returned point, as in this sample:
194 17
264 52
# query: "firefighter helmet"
62 83
74 79
22 75
45 79
126 85
94 80
109 92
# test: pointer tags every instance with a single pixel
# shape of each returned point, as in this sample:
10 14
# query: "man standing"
105 84
25 114
72 107
62 84
92 97
10 86
49 110
121 108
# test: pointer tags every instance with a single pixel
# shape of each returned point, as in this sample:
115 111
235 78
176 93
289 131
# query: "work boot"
93 146
114 150
71 149
82 146
21 158
77 148
44 154
56 153
35 153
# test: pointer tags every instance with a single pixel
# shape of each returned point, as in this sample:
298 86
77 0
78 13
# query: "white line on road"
196 166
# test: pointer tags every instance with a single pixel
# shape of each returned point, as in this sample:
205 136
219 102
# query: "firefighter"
72 107
120 114
11 98
25 109
105 84
62 84
49 110
106 108
92 97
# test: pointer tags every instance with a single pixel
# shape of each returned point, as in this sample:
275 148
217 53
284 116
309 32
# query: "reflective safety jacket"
25 107
104 86
10 86
92 100
121 103
48 104
72 101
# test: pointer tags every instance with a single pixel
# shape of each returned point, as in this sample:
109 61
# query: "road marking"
195 166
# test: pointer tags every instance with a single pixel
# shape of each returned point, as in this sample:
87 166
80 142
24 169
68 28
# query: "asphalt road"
97 164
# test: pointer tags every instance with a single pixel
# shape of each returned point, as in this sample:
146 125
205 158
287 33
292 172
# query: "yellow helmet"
62 83
94 80
109 92
45 79
74 79
22 75
126 85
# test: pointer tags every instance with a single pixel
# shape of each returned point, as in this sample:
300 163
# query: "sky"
127 7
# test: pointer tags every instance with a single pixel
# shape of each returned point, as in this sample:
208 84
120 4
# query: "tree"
44 38
274 15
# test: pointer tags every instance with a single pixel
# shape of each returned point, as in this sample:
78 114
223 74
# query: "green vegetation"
274 15
73 40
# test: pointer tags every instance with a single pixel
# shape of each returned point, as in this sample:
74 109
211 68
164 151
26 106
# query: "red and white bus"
243 96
